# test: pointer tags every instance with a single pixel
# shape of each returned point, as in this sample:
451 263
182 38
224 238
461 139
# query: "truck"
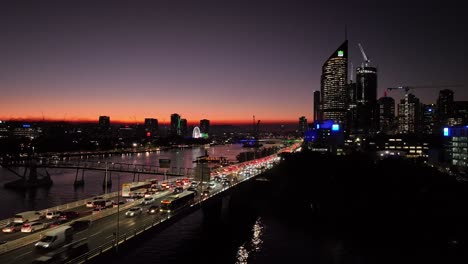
55 238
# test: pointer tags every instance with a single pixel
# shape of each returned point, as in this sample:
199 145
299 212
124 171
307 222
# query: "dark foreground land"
389 211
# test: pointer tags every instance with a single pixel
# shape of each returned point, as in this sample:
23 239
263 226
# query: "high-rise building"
175 125
302 125
429 119
461 110
317 114
104 122
151 126
333 85
352 105
386 114
204 126
445 107
183 127
366 98
409 114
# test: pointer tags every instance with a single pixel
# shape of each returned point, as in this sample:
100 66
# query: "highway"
104 224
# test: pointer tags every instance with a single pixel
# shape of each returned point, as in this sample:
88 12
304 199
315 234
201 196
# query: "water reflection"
252 246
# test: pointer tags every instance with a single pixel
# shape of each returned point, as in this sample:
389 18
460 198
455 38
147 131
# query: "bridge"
111 228
82 166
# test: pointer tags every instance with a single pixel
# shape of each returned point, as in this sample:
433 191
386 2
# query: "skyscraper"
317 115
104 122
409 114
183 127
386 114
151 126
366 98
445 107
204 126
429 119
302 125
175 125
333 85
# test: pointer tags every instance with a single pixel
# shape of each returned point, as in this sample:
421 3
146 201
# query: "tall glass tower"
333 85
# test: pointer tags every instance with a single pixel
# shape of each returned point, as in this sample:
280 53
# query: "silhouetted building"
429 119
333 85
104 122
409 114
386 114
205 126
183 127
461 110
317 113
445 107
352 121
151 126
175 125
366 98
302 125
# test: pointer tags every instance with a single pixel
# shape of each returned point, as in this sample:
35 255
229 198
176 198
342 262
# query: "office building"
429 119
175 125
317 113
205 126
104 122
409 114
333 85
445 107
366 99
386 107
183 127
302 125
151 126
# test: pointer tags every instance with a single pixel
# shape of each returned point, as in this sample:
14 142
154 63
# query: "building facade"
333 88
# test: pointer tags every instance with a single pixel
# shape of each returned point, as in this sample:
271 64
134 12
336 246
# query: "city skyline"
223 62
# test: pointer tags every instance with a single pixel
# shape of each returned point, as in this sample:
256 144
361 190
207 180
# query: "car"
217 178
68 215
33 226
134 211
80 225
97 210
148 200
205 193
178 189
58 222
53 214
12 227
193 189
153 209
115 204
226 183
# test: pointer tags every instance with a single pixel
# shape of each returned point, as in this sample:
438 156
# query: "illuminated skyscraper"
409 115
151 126
333 85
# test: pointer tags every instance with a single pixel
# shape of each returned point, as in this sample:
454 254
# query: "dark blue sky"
220 60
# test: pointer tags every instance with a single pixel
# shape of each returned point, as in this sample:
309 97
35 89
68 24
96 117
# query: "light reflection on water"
252 246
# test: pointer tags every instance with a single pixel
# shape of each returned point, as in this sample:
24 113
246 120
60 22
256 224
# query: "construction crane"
366 59
407 88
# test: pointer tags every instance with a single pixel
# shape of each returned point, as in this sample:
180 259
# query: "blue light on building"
335 127
26 125
446 132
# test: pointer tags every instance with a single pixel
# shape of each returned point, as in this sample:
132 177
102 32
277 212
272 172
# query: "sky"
219 60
